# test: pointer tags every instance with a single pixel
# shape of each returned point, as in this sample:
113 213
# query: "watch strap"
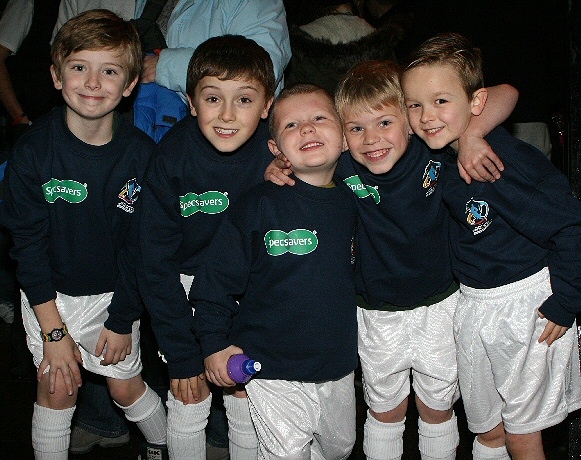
58 332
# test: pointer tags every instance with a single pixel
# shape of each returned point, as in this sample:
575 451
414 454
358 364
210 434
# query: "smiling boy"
285 254
202 166
516 246
71 188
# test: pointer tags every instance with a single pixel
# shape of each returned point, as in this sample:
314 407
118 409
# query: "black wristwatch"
55 335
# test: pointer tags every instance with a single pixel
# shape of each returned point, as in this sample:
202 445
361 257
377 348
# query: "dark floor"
17 397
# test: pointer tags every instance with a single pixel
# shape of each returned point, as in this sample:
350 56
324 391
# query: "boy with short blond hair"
71 187
278 284
202 166
516 252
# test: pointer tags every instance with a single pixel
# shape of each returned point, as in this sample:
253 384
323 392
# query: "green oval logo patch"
69 190
208 203
298 242
362 190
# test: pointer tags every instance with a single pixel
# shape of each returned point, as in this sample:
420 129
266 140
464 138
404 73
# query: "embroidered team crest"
477 215
129 194
431 174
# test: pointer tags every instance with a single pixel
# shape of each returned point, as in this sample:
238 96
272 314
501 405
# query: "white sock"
243 443
186 423
382 441
51 432
149 415
482 452
439 440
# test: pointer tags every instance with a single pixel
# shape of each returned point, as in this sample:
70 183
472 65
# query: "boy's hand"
278 171
217 366
477 160
118 346
552 332
64 357
189 390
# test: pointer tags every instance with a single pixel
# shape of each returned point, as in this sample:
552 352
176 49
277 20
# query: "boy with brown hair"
516 246
202 166
71 187
278 284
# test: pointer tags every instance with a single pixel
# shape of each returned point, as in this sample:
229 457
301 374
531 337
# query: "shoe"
7 312
83 441
148 451
216 453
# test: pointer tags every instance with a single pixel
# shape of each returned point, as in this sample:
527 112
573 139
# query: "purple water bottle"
241 368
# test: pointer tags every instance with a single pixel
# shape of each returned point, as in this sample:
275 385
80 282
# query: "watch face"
56 335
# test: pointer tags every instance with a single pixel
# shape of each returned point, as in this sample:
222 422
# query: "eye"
356 129
110 72
290 125
78 67
320 117
245 100
212 99
413 105
384 123
441 101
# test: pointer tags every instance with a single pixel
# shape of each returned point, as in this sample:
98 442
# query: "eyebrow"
214 87
83 61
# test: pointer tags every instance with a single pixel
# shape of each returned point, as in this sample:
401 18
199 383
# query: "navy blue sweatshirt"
403 254
68 206
507 230
285 254
187 189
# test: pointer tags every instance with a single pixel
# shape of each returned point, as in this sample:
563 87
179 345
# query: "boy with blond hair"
71 187
516 246
278 284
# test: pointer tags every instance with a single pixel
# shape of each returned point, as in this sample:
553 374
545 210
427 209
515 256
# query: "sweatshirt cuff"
41 293
554 312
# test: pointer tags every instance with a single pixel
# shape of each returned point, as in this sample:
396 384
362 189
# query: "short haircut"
370 85
98 30
456 51
293 90
230 57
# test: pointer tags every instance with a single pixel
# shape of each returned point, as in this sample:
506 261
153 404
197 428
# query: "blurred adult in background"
331 39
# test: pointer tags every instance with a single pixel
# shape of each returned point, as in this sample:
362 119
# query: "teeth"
225 131
377 153
311 144
433 130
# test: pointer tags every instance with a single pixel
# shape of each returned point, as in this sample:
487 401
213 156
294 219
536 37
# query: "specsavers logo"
69 190
207 203
362 190
298 242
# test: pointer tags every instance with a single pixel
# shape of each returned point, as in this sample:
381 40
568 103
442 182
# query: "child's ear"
192 108
58 84
264 114
273 147
478 101
127 91
345 145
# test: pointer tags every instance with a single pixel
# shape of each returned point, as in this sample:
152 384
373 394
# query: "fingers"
463 174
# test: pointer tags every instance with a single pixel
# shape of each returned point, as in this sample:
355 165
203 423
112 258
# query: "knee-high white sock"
440 440
149 415
243 443
383 441
51 432
482 452
186 438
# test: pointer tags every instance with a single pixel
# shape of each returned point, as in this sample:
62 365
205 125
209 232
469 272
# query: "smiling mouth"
225 132
311 145
377 153
433 130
